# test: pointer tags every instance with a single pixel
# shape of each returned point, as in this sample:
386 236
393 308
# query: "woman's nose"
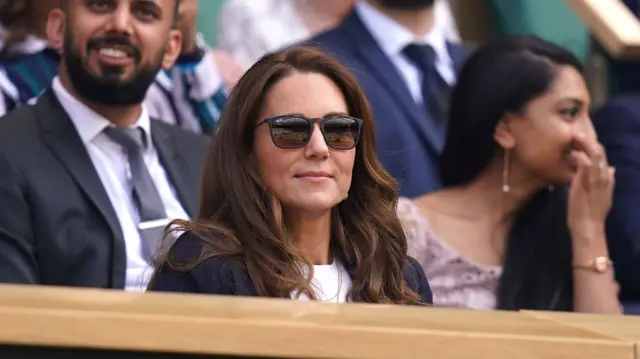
317 146
586 129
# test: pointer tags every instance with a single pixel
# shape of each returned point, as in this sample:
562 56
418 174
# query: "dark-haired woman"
294 203
520 222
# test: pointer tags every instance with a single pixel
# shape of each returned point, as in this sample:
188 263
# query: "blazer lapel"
63 140
458 54
176 167
385 71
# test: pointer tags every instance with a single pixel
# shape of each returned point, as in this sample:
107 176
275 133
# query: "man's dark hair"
65 4
176 12
14 19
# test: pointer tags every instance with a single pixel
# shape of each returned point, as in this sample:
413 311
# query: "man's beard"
406 4
108 89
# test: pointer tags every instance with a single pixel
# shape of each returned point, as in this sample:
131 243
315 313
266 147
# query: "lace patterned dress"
456 281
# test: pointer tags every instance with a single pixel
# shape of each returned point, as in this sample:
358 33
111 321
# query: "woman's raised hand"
591 191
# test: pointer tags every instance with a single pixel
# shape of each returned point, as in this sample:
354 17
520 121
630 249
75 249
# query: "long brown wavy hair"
241 219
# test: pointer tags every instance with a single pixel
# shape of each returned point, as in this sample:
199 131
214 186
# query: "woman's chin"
315 202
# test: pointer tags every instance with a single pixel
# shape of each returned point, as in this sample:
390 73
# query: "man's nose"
120 20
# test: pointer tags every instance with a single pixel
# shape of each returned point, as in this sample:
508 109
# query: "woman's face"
316 177
545 136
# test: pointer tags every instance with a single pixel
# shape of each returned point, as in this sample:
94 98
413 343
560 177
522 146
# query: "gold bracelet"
598 265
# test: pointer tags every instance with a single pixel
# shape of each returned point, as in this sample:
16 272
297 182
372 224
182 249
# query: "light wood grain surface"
92 318
611 22
625 328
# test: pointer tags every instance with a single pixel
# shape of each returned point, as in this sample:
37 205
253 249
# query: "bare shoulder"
416 226
428 211
429 204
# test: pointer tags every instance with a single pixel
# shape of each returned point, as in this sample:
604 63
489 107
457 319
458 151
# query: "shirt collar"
392 37
89 123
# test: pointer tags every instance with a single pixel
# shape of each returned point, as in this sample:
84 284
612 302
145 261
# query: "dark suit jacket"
223 276
57 225
407 142
618 127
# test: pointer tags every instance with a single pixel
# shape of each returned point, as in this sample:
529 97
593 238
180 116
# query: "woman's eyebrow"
575 100
331 114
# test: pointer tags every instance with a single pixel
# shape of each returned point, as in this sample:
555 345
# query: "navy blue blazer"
618 126
407 143
224 276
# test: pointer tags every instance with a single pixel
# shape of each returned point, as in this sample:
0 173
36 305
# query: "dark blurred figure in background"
618 126
248 29
498 236
191 94
623 75
406 67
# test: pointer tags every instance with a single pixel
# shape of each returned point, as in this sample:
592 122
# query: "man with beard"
191 94
406 68
87 180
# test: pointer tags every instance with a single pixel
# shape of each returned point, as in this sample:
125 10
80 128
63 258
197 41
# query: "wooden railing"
46 322
613 25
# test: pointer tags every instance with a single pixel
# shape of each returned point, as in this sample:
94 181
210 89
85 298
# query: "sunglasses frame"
312 121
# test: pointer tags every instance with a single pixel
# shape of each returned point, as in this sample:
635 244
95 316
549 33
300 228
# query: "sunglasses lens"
290 132
341 132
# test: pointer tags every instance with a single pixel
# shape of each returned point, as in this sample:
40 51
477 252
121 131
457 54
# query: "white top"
110 161
331 283
392 38
249 29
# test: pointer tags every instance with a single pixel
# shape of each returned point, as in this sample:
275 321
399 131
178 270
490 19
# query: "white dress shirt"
392 38
110 162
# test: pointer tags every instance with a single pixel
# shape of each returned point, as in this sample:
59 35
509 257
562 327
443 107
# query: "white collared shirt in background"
393 38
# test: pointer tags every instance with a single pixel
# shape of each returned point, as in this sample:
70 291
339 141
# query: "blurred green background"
208 19
549 19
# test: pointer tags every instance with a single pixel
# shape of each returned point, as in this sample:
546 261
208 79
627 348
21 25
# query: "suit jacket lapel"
63 140
459 54
176 167
385 71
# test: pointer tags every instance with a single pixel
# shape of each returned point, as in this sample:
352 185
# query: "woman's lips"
313 176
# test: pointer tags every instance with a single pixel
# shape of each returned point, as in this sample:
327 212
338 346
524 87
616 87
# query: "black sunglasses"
290 131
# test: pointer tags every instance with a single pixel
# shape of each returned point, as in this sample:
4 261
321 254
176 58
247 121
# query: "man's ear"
173 49
56 23
503 134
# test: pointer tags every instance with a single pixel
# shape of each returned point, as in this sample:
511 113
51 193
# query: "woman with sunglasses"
294 203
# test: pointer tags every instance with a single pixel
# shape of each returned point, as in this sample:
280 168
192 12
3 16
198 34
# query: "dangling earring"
346 195
506 166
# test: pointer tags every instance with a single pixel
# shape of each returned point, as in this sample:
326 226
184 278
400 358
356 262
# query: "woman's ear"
503 134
